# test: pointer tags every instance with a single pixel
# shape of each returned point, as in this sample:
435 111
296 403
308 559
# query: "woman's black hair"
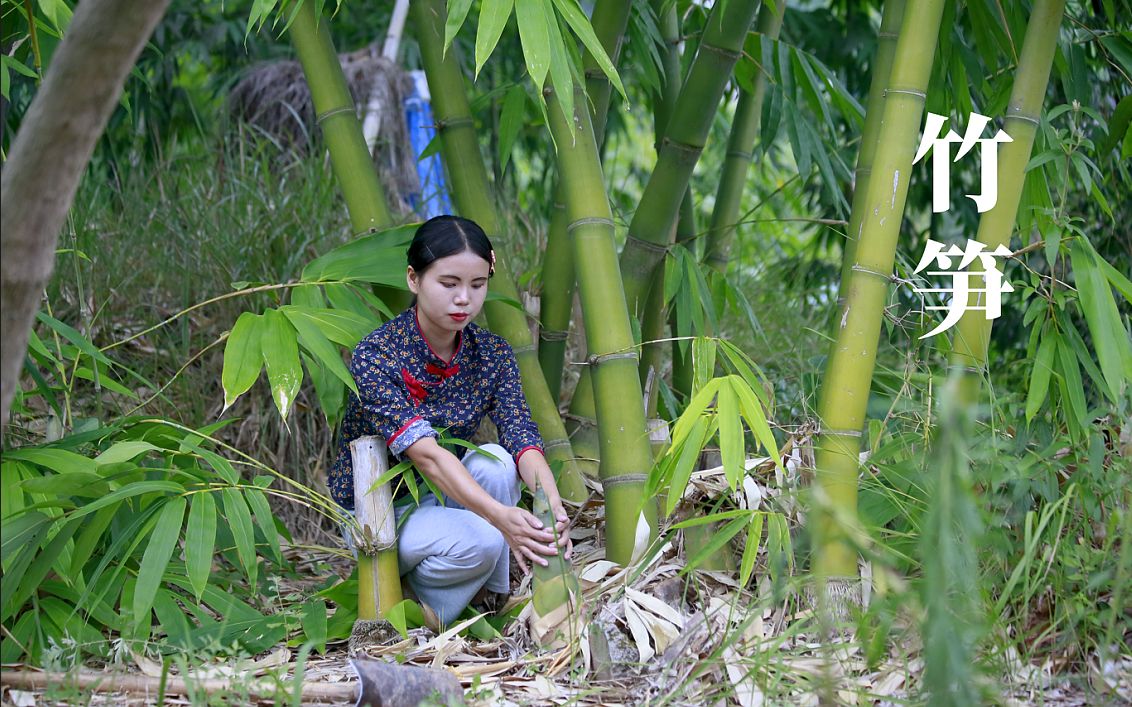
446 235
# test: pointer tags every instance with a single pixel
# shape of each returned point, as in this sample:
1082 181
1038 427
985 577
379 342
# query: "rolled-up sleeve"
518 433
384 402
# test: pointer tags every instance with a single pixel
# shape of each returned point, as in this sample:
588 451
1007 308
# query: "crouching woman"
430 368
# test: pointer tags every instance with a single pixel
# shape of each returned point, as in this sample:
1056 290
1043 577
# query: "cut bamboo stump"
379 580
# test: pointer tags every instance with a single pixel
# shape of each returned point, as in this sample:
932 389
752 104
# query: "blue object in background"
433 198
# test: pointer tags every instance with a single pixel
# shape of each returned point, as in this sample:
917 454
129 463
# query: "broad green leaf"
457 13
493 18
75 483
1071 377
1039 378
718 540
136 488
685 463
319 346
751 549
281 356
156 557
243 357
19 532
535 38
560 65
314 622
266 521
730 433
1110 338
60 461
581 27
328 388
72 335
240 522
377 258
756 420
200 541
703 361
36 571
511 121
124 451
223 467
693 411
343 327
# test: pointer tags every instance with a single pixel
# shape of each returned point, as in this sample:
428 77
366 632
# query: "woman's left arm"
536 473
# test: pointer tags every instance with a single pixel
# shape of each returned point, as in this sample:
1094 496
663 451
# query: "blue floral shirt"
408 392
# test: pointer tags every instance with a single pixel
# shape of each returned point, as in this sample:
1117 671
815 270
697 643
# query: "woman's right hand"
525 534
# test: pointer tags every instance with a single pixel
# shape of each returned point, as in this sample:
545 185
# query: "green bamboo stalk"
848 375
882 67
650 231
610 17
623 438
337 117
740 147
972 333
471 192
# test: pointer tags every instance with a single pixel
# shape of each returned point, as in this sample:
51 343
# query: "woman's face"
451 291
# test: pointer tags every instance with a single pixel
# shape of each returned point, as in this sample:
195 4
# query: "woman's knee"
496 473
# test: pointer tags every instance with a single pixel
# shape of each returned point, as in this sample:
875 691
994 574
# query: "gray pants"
448 553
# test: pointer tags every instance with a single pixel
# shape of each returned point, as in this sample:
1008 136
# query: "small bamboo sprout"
379 581
555 603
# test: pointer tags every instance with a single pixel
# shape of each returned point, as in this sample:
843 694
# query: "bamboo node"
454 123
740 153
553 335
524 348
589 221
874 273
682 146
722 51
908 91
840 433
555 444
647 245
597 359
1024 117
625 479
333 112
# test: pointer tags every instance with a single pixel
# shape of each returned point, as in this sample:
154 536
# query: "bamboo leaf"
242 357
61 461
756 420
690 450
136 488
266 521
200 541
457 14
721 538
696 406
328 388
124 451
281 357
156 557
493 18
72 335
377 258
751 549
320 348
1110 338
703 361
240 522
730 434
314 622
581 26
560 74
89 537
1039 378
1071 377
535 38
511 123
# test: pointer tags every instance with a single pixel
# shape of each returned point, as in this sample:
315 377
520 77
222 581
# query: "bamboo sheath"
473 198
740 146
650 231
379 579
849 372
882 67
623 438
337 117
972 333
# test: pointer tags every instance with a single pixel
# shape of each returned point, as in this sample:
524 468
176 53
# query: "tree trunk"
849 373
650 231
625 453
882 68
972 333
740 144
51 152
473 199
610 17
338 118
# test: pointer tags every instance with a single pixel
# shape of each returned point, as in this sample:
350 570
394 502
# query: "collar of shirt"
434 365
